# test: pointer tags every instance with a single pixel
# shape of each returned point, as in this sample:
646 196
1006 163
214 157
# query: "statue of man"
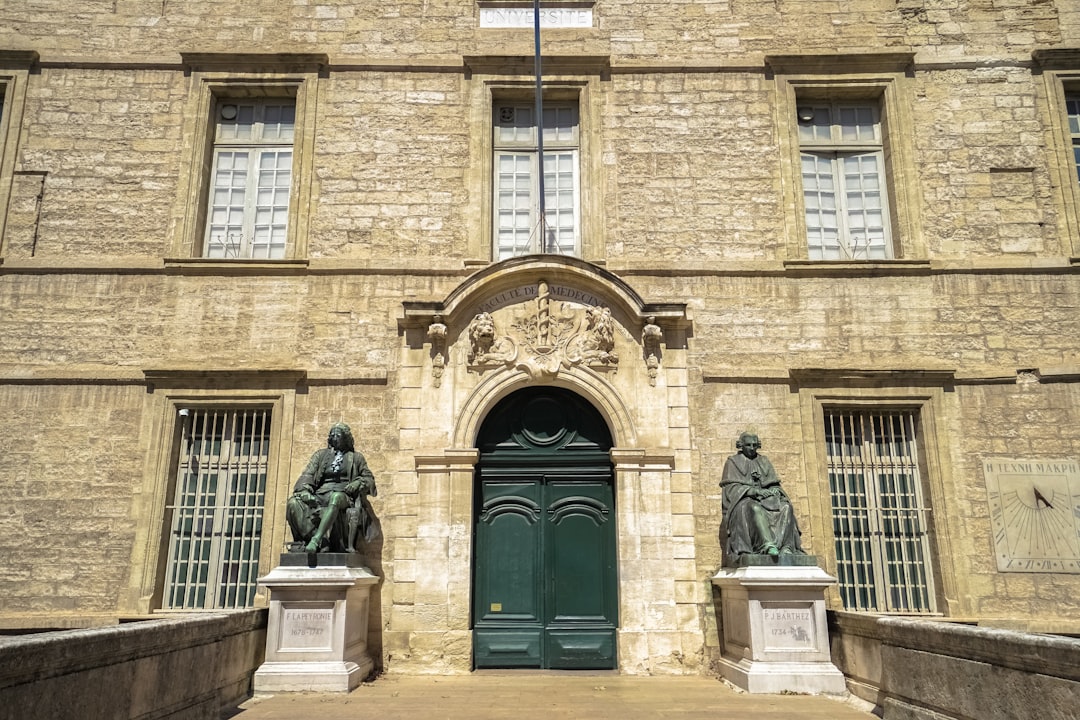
335 481
758 519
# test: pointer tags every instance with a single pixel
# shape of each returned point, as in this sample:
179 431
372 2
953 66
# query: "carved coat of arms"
551 335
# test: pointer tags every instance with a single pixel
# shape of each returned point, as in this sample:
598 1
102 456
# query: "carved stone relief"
436 333
651 337
545 338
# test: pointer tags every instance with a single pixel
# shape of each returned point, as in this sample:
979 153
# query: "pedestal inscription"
787 627
306 628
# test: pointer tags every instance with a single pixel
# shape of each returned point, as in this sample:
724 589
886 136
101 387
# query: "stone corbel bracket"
652 336
436 334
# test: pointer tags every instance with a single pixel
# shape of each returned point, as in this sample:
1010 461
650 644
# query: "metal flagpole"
538 64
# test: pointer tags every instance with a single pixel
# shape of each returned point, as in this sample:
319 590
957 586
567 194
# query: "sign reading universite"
520 17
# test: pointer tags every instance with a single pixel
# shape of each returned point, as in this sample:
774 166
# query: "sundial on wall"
1034 514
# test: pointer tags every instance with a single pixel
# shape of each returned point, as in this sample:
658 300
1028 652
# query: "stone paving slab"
554 696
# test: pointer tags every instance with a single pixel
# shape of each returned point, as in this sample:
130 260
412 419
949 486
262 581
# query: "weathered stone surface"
955 671
130 670
692 195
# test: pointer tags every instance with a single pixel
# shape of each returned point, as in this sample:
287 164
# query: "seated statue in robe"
757 514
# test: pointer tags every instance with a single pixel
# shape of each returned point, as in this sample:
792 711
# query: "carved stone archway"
542 314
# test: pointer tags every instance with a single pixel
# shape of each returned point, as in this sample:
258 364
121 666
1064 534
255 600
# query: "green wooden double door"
545 587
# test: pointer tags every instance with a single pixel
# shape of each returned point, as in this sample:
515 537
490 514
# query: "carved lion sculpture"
599 343
481 337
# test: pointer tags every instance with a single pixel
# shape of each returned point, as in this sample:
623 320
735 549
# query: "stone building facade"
852 228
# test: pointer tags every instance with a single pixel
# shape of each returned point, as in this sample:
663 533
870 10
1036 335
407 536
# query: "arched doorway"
545 585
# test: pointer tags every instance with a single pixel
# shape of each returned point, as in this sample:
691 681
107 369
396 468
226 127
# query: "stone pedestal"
773 633
316 638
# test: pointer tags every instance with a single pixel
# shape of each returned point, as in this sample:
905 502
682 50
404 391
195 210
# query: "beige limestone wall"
1026 419
992 326
130 671
70 463
902 667
662 31
107 147
945 670
960 429
690 177
391 155
154 320
690 166
981 143
969 322
693 168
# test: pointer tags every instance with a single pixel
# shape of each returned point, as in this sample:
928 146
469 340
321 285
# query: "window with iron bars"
217 509
880 521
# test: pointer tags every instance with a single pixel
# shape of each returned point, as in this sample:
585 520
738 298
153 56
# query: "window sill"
240 266
856 268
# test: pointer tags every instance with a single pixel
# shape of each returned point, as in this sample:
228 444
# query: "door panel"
580 649
545 581
503 648
580 552
509 580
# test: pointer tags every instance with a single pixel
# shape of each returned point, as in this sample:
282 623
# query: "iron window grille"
217 509
880 521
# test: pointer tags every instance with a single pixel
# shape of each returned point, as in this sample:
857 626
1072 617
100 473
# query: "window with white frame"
251 179
843 177
217 508
880 520
518 229
1072 107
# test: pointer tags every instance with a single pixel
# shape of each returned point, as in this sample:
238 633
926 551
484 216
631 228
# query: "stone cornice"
1058 58
254 62
270 377
894 62
643 459
18 58
512 58
232 378
890 377
525 64
464 267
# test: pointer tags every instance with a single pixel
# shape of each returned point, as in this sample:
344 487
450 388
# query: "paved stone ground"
552 696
